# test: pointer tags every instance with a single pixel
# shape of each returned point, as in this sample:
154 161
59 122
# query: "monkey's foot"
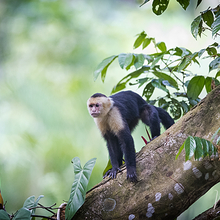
112 173
131 175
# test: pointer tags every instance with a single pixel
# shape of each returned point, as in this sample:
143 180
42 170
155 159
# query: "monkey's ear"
111 102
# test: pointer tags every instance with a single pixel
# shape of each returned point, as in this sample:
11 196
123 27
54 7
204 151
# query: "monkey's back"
130 105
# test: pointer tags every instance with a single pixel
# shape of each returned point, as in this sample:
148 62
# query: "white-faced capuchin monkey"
116 117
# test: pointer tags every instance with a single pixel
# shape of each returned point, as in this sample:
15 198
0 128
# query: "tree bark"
166 187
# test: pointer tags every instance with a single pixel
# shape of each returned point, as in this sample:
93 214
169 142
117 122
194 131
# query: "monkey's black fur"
132 107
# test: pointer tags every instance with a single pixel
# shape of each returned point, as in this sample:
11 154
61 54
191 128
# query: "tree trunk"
166 187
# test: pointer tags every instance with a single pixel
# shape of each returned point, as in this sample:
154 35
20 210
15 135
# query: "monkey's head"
99 105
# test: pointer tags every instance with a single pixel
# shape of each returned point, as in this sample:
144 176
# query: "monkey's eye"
91 106
97 105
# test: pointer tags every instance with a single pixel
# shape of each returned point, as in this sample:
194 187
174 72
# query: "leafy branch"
169 69
76 200
165 69
199 147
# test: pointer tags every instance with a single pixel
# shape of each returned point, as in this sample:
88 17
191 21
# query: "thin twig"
41 216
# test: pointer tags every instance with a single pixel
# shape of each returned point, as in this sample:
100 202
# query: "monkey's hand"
131 175
112 173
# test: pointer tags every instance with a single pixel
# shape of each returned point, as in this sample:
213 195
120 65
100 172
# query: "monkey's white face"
95 109
99 107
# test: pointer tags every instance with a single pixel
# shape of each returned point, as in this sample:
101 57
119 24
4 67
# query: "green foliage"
25 212
159 6
198 147
31 203
103 66
108 167
195 86
209 19
4 215
78 191
166 70
77 195
214 135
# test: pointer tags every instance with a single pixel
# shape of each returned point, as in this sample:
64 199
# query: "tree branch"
166 187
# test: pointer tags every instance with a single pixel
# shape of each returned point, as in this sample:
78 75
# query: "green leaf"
23 214
148 58
216 26
184 51
108 167
78 191
157 84
134 74
198 3
146 42
200 53
215 64
218 140
139 39
103 66
125 59
161 102
196 26
214 135
193 102
217 74
156 60
208 17
205 147
217 82
178 51
139 60
118 87
180 150
142 81
195 86
186 61
159 6
208 82
162 46
199 149
144 2
30 203
190 146
164 76
148 91
185 107
184 3
4 215
211 51
175 109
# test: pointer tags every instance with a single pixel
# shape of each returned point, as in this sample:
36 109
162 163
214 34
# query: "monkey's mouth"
95 115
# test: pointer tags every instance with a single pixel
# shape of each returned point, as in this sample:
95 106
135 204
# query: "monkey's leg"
127 146
151 118
115 154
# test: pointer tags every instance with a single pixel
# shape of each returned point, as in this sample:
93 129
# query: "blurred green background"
48 52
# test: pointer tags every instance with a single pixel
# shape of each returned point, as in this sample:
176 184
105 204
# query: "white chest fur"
112 121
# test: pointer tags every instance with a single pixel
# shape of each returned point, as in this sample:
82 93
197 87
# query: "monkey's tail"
165 118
